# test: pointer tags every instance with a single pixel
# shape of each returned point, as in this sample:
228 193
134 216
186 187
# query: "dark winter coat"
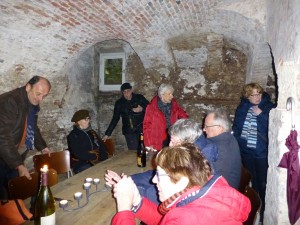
81 142
261 150
14 109
229 161
131 122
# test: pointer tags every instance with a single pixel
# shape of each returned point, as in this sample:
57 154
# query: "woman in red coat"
189 193
162 112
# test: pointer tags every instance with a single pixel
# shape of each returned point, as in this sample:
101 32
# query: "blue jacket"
143 180
261 150
208 149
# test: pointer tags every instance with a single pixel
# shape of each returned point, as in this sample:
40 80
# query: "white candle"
78 195
63 203
88 180
96 181
87 186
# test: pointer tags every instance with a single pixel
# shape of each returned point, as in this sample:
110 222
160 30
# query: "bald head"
37 89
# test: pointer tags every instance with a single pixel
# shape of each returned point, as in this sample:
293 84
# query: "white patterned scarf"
249 131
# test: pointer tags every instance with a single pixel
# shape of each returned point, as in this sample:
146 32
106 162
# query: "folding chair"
254 198
60 161
22 188
245 179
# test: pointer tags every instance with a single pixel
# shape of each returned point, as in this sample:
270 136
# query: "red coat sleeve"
177 112
148 213
123 218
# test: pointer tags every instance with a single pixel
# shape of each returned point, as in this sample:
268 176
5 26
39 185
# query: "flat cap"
79 115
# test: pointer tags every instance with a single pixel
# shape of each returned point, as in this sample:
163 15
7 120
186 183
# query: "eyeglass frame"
160 175
205 126
255 95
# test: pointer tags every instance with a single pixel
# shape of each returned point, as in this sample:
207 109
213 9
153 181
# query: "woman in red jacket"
162 112
189 193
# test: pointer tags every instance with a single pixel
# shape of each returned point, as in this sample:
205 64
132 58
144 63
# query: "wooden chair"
22 188
60 161
110 146
254 214
245 179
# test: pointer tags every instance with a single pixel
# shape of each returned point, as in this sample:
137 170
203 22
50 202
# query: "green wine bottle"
45 204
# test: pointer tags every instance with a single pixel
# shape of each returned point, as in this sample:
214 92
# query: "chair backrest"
60 161
110 146
22 188
255 206
245 179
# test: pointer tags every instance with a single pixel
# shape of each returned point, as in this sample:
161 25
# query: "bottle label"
139 161
48 220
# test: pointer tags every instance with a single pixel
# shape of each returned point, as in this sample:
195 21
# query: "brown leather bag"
13 212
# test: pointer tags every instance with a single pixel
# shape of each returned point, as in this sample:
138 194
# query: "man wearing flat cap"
131 107
85 145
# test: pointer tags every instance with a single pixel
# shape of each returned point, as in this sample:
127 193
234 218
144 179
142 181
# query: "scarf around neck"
166 110
31 124
166 205
249 131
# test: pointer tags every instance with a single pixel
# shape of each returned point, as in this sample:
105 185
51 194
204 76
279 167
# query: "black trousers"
258 167
132 140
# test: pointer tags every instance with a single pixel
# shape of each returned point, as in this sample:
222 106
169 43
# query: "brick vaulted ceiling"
46 33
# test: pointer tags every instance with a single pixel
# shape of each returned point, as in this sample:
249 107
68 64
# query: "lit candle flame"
44 169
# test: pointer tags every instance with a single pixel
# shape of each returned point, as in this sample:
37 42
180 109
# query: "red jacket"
154 125
220 205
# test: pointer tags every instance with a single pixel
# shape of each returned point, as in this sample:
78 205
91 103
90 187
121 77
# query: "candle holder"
78 196
87 186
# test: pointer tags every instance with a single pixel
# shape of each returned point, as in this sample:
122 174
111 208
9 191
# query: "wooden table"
101 207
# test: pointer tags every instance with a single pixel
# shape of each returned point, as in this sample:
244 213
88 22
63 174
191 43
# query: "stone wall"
205 70
282 35
206 49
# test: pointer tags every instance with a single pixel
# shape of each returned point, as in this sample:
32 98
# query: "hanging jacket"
155 125
131 122
261 150
219 205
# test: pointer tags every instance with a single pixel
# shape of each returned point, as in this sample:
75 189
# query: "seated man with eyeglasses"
84 144
217 126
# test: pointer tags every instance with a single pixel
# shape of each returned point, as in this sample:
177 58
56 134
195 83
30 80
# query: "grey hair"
163 88
187 130
222 118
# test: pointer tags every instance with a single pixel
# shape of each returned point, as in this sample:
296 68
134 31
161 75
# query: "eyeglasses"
255 95
158 175
205 126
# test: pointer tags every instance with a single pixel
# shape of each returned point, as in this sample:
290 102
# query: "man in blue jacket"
217 127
